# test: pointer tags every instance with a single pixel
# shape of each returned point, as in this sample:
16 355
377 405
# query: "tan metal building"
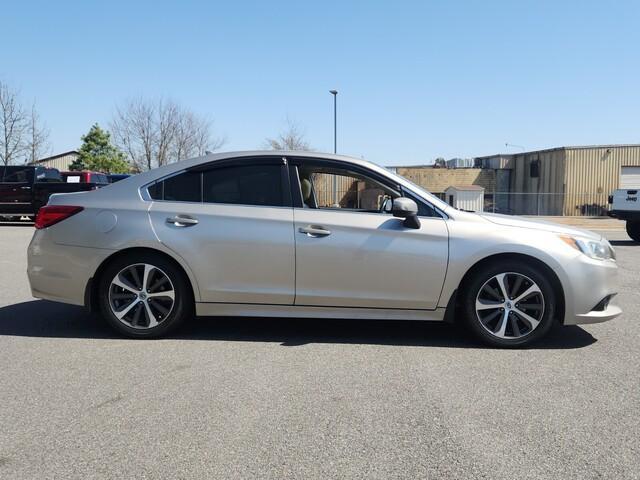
437 180
564 180
61 161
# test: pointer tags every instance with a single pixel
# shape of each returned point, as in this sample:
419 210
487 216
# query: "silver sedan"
295 234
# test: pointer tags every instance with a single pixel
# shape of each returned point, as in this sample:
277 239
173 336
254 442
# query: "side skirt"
297 311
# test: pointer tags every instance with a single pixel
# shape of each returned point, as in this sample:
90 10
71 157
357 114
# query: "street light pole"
335 142
335 120
515 146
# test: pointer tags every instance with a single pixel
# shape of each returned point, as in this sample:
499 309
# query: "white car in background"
299 234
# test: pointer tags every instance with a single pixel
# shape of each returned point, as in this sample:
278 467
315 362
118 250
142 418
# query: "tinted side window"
244 185
185 187
16 175
155 191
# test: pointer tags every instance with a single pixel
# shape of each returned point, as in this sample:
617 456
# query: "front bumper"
595 316
587 282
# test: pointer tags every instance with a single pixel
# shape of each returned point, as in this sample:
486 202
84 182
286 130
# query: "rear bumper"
624 214
61 272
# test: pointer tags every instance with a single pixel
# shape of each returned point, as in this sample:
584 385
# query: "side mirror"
408 209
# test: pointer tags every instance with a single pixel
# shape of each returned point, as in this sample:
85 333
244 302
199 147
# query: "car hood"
521 222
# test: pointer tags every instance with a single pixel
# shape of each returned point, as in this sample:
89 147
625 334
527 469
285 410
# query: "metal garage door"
630 177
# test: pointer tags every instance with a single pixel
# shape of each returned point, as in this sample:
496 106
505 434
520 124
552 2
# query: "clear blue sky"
417 79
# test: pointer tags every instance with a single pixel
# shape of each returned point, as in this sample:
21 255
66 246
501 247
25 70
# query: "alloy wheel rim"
510 305
141 296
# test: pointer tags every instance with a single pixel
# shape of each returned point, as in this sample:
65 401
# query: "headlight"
601 250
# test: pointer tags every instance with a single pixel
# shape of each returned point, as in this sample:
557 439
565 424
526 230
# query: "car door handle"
182 221
25 188
314 231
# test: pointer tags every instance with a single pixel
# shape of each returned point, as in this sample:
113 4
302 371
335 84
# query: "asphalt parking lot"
269 398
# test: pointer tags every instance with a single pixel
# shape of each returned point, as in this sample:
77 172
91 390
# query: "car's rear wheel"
509 304
144 295
633 229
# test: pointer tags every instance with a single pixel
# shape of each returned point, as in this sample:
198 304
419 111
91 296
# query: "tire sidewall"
633 229
478 278
183 304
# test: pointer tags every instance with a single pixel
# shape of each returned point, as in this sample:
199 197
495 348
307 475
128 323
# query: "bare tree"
193 137
14 124
158 132
290 139
133 127
168 119
37 141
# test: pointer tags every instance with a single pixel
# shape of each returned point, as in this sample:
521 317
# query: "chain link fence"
549 204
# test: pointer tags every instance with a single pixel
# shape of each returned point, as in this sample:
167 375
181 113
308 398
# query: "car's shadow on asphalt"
39 318
16 224
623 243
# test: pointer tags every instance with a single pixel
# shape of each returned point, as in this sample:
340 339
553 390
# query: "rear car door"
350 253
232 223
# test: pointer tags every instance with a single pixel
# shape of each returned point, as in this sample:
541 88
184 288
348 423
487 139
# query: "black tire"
472 286
181 309
633 229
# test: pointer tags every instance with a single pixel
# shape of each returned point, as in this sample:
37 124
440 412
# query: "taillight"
52 214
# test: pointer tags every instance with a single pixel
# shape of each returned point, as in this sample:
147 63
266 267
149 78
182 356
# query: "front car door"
232 223
350 253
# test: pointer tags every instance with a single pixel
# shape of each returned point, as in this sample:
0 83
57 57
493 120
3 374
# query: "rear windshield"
48 175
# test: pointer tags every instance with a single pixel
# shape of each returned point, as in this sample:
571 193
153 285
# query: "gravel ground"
270 398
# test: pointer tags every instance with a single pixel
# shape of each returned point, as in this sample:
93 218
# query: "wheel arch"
452 305
91 289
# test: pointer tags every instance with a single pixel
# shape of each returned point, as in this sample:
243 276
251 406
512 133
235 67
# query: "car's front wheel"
633 229
144 295
509 304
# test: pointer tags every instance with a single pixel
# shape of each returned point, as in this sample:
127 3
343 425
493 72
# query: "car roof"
159 172
145 178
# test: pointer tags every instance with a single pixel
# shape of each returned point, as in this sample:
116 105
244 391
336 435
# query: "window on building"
534 169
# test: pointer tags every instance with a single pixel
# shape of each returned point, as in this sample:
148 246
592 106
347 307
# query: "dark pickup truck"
24 189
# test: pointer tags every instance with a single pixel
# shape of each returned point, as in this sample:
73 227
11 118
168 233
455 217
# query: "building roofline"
553 149
431 165
424 165
468 188
58 155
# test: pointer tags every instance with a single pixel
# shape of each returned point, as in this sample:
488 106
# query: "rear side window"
15 175
244 185
185 187
155 191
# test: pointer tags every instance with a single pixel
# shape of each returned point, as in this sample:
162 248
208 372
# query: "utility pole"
335 141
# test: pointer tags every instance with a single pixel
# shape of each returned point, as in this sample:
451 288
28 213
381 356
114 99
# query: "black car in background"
24 189
116 177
